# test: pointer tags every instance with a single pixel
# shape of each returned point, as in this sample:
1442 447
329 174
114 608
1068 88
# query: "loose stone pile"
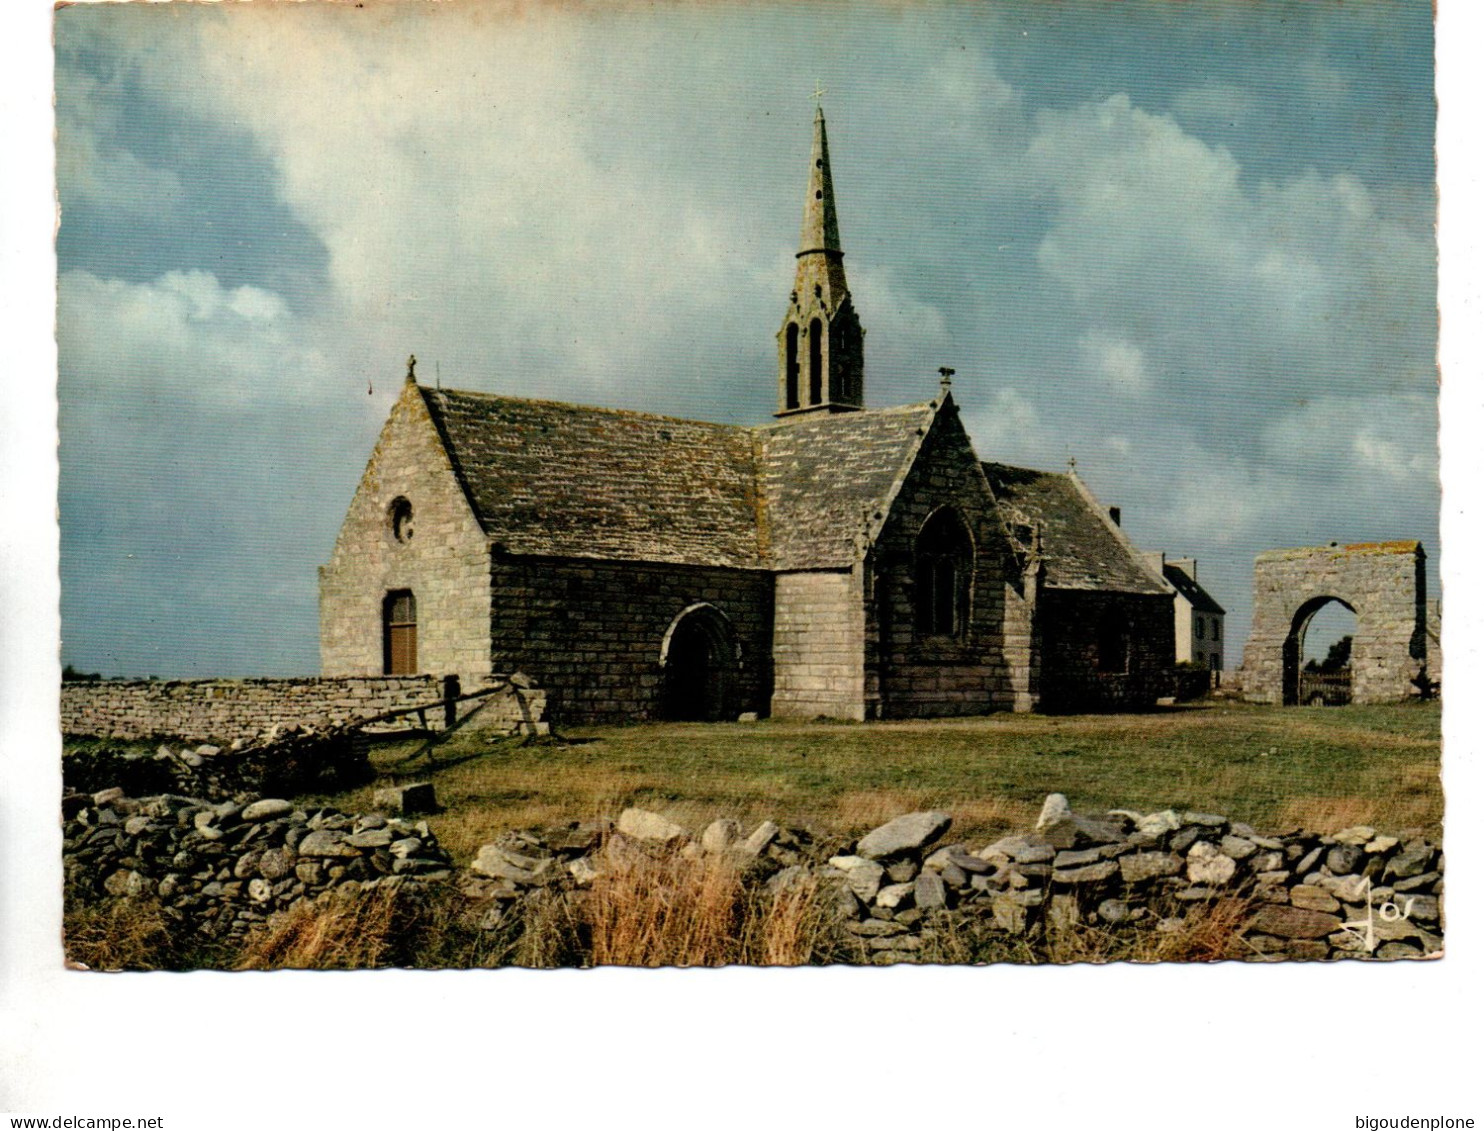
219 868
280 760
894 895
1123 869
900 889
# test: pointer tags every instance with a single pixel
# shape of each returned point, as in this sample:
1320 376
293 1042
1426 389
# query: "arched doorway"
699 656
1316 654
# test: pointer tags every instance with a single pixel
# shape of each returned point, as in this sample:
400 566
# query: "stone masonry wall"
917 675
223 710
1070 679
1023 640
818 645
220 868
1384 582
589 633
1179 886
445 562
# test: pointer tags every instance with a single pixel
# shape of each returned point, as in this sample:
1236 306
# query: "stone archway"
1301 687
699 657
1383 583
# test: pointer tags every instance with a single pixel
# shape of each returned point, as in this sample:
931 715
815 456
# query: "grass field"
1318 768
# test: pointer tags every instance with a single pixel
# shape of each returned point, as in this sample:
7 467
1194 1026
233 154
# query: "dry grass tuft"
697 911
118 934
1211 932
673 911
795 923
346 933
1208 932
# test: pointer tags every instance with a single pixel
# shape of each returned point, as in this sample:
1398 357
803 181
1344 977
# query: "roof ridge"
854 414
1018 467
480 394
547 403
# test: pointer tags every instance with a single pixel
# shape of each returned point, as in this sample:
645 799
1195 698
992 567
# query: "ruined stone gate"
1383 583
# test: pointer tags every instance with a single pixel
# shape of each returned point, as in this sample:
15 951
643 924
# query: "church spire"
821 231
821 365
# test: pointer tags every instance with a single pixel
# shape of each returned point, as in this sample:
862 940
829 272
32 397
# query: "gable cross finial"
411 369
945 373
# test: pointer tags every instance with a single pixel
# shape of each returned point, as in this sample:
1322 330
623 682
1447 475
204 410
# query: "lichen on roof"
1077 546
549 478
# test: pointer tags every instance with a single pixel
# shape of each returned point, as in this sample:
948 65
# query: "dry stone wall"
284 760
224 710
904 892
219 868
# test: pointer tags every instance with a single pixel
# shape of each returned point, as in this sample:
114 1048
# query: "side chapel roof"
1078 544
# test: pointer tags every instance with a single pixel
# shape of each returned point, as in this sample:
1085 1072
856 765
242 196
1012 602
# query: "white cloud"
1301 286
1006 429
1334 438
185 339
1117 363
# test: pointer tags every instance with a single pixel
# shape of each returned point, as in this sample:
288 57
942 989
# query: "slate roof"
1077 545
573 481
823 476
567 480
1191 590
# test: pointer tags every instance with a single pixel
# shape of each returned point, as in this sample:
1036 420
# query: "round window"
401 519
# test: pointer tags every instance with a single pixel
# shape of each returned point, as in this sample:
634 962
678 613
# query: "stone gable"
444 562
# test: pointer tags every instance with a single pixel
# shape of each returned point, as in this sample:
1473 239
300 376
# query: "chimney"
1116 514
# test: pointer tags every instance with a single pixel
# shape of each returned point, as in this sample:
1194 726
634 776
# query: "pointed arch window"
944 569
791 366
399 633
816 362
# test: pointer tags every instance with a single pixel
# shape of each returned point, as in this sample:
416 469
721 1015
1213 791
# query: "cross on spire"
946 374
819 92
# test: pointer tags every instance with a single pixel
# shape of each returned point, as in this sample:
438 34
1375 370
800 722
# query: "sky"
1190 246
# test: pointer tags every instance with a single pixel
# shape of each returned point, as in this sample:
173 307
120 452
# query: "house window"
1113 643
816 363
399 633
1215 661
791 366
1200 628
944 565
1215 630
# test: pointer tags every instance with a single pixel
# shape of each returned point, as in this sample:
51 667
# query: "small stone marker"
406 800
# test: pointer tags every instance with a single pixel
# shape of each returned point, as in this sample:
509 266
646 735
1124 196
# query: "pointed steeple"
821 231
821 357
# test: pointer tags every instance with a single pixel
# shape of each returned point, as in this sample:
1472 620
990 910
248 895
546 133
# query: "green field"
1319 768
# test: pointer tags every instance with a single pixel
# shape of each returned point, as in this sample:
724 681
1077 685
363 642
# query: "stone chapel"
840 561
